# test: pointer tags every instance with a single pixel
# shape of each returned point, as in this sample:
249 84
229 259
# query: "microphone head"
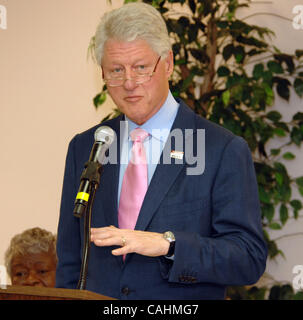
105 134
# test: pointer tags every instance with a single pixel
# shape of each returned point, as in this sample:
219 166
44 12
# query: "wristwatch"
170 237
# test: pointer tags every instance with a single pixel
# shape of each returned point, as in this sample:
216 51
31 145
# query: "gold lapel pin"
176 154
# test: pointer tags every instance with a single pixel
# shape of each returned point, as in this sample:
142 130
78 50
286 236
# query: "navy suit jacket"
215 217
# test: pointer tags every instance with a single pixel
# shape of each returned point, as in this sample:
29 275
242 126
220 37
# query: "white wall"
287 39
46 91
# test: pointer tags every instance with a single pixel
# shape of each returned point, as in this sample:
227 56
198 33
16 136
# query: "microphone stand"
91 175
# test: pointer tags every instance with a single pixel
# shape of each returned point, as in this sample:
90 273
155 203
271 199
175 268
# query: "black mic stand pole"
86 247
91 176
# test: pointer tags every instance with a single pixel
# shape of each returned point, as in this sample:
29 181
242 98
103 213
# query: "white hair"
130 22
30 241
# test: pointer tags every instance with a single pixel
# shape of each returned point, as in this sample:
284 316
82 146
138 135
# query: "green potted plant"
230 72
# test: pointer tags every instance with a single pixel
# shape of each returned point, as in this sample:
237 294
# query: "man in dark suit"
196 227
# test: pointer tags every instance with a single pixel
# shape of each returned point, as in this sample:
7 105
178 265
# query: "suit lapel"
165 174
163 178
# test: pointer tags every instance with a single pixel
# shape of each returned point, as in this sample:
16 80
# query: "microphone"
104 137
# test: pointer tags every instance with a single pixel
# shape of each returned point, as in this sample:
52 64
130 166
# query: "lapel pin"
176 154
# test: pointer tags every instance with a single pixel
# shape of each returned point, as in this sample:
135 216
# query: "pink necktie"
134 183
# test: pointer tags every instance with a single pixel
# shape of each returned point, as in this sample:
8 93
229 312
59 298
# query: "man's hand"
146 243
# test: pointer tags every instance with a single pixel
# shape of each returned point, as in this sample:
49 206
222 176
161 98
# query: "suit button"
125 291
193 279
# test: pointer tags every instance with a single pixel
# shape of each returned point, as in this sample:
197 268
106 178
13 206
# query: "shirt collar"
159 125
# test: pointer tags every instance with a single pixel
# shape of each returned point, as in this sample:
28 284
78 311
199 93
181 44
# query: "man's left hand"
146 243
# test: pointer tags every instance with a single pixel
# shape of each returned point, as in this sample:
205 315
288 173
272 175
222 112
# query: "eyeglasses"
142 74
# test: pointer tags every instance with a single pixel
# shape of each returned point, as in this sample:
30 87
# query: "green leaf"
176 49
268 211
274 116
298 85
273 250
296 136
180 62
288 156
279 132
205 8
187 82
301 191
256 293
283 214
279 178
275 226
193 33
275 293
283 192
255 52
275 67
258 71
199 55
251 41
192 5
197 71
223 71
239 54
232 125
230 15
296 204
263 195
268 77
269 94
299 294
99 99
226 97
280 167
287 59
283 87
184 22
174 27
298 116
282 125
222 24
299 181
228 51
112 115
275 152
258 97
287 292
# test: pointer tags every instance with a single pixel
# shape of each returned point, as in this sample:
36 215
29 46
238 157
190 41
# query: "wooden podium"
42 293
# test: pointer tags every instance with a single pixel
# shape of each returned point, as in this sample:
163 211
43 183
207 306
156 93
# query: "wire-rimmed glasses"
141 76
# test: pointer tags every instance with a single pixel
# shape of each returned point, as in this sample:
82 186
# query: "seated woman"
31 258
